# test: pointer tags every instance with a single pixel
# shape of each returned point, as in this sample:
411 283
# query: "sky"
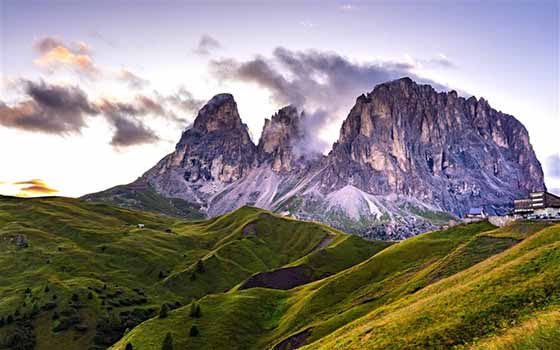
94 93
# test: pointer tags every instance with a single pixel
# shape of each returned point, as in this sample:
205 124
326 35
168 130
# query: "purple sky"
112 52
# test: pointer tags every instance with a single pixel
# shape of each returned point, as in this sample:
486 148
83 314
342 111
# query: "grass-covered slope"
469 287
141 196
78 275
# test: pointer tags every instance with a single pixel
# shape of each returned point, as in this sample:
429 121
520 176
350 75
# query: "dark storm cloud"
48 109
206 45
324 84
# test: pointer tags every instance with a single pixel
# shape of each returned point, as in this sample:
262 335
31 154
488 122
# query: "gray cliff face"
407 158
279 135
452 152
217 148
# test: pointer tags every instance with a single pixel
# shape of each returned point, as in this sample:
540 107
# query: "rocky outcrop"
279 135
408 158
455 153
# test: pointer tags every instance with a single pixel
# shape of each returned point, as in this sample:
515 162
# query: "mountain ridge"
407 160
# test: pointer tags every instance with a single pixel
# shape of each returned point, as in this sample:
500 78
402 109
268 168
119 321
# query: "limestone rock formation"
408 158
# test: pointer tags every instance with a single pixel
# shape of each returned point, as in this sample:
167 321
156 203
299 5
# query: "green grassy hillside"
452 289
78 275
141 196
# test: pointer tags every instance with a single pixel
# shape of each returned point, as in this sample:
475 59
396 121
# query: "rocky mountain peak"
216 148
434 146
406 154
220 113
280 134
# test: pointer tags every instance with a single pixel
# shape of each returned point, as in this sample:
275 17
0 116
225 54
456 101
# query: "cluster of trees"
195 312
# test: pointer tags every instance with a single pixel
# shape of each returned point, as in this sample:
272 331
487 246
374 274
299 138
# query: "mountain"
78 275
408 159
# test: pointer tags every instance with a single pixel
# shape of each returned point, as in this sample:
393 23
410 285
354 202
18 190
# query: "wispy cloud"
134 81
33 187
206 45
348 7
552 165
307 24
54 54
103 38
438 61
325 84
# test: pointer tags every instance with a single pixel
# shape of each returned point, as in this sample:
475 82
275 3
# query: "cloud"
101 37
53 55
206 45
132 80
439 61
348 7
307 24
66 110
50 109
130 132
324 84
33 187
552 165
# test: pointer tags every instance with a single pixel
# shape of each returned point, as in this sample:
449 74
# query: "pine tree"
128 346
195 310
200 266
167 342
194 331
35 309
163 311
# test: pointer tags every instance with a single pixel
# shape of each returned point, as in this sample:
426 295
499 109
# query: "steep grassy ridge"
76 275
440 290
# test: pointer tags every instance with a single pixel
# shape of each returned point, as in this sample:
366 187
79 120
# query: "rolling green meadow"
79 275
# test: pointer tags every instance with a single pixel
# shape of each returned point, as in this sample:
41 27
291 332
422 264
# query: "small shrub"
128 346
35 310
47 288
90 295
195 310
194 331
200 266
163 311
167 342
